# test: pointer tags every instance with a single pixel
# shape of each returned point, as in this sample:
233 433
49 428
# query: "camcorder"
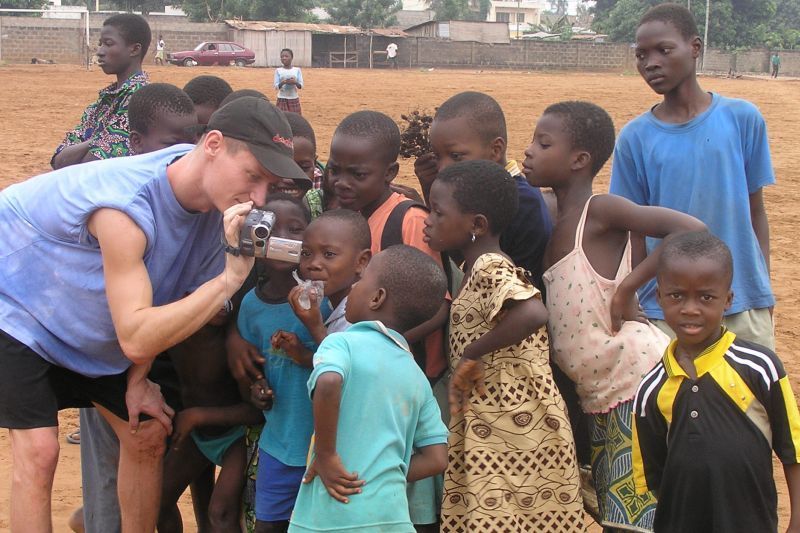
255 239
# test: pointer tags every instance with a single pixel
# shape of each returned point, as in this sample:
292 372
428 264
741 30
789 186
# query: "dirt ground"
41 102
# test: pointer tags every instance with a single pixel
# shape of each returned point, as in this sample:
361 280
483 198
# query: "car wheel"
189 62
241 63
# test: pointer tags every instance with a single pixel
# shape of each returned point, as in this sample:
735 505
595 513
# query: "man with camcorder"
95 261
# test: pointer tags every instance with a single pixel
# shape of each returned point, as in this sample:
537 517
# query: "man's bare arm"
143 330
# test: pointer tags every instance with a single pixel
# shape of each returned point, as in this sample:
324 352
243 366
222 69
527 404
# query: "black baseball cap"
264 129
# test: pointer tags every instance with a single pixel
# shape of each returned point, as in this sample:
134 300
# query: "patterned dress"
512 465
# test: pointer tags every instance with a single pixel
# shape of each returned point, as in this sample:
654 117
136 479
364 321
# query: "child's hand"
244 360
185 422
468 375
338 482
290 343
261 395
309 317
625 308
426 167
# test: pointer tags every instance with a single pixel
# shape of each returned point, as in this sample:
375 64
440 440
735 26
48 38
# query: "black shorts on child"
33 390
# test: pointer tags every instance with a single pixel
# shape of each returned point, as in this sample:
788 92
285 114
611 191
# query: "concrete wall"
754 61
63 41
527 55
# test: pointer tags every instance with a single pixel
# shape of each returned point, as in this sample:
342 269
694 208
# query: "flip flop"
74 437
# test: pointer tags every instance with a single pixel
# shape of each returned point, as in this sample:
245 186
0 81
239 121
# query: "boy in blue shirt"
376 422
708 416
702 154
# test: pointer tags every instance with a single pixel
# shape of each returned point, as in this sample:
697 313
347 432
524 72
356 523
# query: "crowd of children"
422 389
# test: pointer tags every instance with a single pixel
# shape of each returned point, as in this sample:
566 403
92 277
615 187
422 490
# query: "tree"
460 9
733 23
22 4
559 7
450 9
276 10
364 13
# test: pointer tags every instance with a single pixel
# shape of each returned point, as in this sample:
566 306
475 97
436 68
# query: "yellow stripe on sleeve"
792 414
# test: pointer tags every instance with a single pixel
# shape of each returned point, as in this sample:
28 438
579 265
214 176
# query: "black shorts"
33 390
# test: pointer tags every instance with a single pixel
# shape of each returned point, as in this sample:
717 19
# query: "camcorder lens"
261 232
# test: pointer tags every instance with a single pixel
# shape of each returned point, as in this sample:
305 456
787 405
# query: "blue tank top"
52 289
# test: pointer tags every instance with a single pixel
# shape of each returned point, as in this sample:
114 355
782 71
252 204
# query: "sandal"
74 437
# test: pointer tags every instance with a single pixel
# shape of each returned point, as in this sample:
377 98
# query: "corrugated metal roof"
263 25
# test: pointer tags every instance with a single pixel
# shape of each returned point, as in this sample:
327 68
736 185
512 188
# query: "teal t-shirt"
290 423
387 409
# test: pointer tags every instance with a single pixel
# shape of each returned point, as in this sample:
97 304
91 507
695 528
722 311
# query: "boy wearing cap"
128 250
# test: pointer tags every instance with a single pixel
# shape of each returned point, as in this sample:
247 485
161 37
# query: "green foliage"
783 30
364 13
275 10
22 4
732 23
450 9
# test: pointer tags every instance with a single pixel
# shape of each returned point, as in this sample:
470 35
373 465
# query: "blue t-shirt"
290 423
52 289
707 167
387 409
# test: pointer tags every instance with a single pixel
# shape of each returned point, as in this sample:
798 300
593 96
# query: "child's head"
124 41
336 249
470 200
305 155
570 138
667 47
695 271
402 287
363 160
291 220
160 115
468 126
207 93
286 57
241 93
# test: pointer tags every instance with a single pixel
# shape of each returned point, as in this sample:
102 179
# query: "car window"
211 46
237 48
225 48
199 47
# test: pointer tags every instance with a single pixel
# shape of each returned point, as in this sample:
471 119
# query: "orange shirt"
413 224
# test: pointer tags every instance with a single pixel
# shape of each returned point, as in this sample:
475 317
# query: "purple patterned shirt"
105 122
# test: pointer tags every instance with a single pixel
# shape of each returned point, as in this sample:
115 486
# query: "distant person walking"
391 55
776 64
160 45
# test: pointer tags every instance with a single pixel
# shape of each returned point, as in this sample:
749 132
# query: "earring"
473 237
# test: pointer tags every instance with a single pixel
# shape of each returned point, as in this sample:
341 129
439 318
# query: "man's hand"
144 397
237 268
261 395
244 360
337 480
468 375
186 421
625 308
290 343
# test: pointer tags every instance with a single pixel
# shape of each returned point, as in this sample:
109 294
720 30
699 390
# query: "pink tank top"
605 368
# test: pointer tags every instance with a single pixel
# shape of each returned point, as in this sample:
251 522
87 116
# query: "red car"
219 52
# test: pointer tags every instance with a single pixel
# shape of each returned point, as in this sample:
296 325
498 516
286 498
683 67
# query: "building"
520 15
462 30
